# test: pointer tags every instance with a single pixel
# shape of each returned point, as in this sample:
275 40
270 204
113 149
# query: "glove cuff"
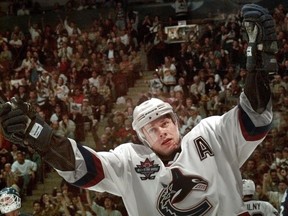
251 54
270 64
39 135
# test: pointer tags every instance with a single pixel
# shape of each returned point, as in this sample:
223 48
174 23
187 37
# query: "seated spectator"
129 112
154 84
9 177
78 96
5 54
281 96
104 143
180 98
47 205
18 32
26 62
56 115
193 119
125 133
182 85
22 93
34 30
118 119
126 68
23 10
276 84
71 27
272 185
211 85
259 195
275 197
107 206
63 65
76 116
25 169
67 126
87 113
16 43
229 94
136 61
111 52
234 88
36 158
97 102
248 170
43 86
61 89
241 78
65 51
37 208
5 148
120 47
197 88
213 104
105 91
112 66
93 80
167 73
284 106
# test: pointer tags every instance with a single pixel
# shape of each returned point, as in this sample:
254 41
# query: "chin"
172 150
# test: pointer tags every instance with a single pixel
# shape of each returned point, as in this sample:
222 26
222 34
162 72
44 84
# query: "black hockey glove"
21 125
13 123
260 28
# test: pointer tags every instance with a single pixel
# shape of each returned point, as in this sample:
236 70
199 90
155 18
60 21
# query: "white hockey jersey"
203 179
257 207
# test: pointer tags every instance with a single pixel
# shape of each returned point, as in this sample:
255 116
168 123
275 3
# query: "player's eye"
165 123
151 130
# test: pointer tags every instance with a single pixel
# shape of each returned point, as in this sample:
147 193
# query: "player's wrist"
38 135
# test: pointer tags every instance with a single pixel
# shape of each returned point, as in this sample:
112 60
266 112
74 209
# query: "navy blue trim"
249 130
94 169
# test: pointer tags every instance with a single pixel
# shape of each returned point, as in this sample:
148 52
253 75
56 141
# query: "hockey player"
256 207
10 202
168 175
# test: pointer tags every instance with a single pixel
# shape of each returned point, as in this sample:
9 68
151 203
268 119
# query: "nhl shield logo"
147 168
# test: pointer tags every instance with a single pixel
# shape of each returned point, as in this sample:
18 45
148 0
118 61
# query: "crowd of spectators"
75 76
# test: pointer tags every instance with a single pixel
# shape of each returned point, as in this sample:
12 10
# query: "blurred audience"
76 75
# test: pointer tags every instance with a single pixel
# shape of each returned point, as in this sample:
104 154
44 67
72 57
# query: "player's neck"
167 160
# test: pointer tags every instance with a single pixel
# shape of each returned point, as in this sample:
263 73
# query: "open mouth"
166 141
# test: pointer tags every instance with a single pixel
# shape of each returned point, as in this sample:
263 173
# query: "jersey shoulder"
133 148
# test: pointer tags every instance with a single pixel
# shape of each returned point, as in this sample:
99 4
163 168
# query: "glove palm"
260 28
13 124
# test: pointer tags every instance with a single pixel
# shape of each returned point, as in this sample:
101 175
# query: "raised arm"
21 125
261 50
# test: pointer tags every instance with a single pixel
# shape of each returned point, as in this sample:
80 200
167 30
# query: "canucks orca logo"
177 190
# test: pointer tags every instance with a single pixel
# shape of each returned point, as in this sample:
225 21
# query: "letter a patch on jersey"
147 168
203 148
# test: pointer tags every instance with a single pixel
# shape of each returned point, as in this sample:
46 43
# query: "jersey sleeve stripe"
249 131
95 171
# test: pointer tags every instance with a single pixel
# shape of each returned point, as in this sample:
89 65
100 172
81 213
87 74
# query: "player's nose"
162 132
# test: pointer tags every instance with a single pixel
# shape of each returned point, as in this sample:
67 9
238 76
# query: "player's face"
162 135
